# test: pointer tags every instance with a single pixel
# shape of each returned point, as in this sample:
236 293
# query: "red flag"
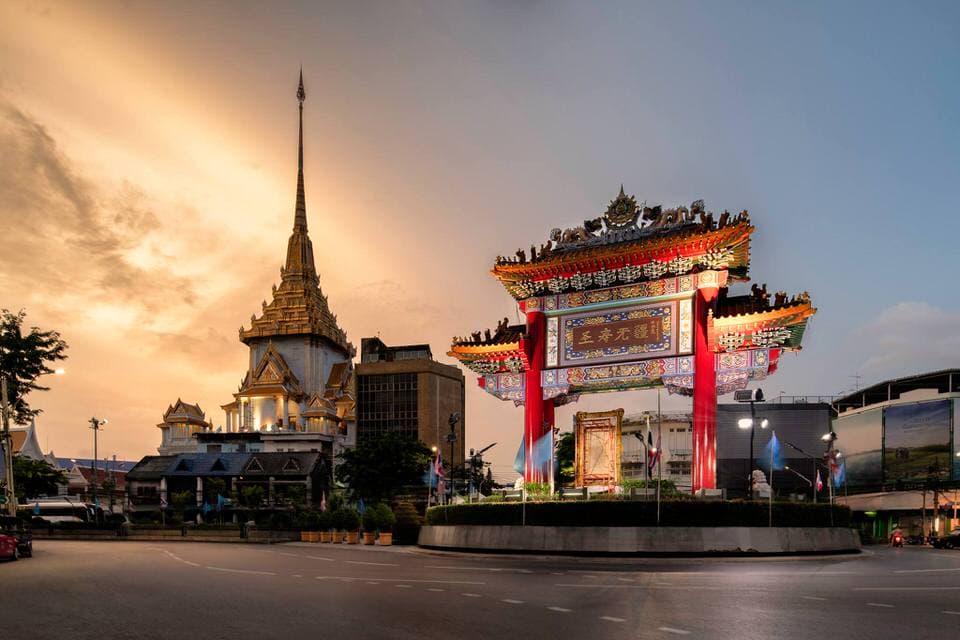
819 481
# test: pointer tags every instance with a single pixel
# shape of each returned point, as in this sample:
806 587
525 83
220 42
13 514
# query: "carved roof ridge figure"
298 306
622 211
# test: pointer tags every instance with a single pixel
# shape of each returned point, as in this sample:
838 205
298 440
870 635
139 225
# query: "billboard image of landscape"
916 443
860 438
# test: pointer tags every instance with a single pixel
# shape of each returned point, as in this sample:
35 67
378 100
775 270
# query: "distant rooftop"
944 381
374 350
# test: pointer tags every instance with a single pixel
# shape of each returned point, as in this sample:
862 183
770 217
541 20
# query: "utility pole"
96 424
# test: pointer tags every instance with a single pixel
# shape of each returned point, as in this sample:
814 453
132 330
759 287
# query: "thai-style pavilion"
299 378
636 298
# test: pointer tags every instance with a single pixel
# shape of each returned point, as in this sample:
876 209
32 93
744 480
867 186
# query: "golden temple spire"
300 220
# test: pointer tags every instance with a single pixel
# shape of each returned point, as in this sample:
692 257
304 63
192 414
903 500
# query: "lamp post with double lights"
96 424
830 457
751 396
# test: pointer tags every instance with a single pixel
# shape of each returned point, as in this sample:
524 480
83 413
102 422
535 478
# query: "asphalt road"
116 590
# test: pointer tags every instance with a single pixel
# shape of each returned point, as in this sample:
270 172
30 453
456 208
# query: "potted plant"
325 519
304 522
385 521
371 523
313 526
351 523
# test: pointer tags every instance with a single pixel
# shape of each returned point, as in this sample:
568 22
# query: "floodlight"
745 423
748 395
59 372
764 423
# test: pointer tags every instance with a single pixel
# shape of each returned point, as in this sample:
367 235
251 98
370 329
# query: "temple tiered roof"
502 350
298 306
630 243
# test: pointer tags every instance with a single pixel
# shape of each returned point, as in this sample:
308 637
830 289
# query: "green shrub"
311 521
406 529
325 521
350 520
378 517
630 513
537 490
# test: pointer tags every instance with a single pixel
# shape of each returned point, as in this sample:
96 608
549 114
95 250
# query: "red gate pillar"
534 415
704 395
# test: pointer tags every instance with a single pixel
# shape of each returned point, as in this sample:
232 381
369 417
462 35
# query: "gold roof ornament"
298 306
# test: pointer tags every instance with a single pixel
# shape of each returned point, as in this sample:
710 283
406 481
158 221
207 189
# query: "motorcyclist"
897 534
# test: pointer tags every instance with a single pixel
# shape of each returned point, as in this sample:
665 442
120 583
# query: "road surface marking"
471 595
905 589
373 583
511 601
926 570
374 564
880 604
951 613
403 586
560 609
556 573
296 575
681 632
321 558
179 559
612 619
625 579
400 580
246 571
813 598
434 589
292 555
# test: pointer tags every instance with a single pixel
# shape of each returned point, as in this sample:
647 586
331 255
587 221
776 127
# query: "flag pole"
773 438
646 482
659 457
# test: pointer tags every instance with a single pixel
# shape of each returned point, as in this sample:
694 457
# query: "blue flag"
839 470
772 454
207 507
36 508
361 507
518 461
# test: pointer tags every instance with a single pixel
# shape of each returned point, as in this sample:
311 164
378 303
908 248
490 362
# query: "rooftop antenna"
856 384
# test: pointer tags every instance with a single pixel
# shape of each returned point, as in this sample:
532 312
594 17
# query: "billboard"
598 448
916 441
860 437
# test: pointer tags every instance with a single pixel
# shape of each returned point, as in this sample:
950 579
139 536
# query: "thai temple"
297 392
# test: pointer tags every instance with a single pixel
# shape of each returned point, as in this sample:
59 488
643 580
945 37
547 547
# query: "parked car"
19 529
949 541
8 547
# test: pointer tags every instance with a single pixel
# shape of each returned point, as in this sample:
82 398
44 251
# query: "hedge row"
673 513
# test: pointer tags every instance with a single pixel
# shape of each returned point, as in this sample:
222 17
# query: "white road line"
403 586
680 632
291 555
511 601
951 613
471 595
556 573
612 619
926 570
560 609
379 579
321 558
373 583
813 598
296 575
625 579
906 589
880 604
435 590
179 559
373 564
246 571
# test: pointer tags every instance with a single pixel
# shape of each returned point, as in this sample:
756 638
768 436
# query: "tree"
380 467
180 501
566 458
34 478
24 358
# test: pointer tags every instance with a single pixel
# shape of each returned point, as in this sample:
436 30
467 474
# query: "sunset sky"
148 168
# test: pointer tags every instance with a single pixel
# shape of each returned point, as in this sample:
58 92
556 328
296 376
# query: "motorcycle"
897 540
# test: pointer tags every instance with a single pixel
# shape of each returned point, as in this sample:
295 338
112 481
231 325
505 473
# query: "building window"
387 403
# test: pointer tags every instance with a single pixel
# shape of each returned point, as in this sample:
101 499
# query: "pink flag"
819 481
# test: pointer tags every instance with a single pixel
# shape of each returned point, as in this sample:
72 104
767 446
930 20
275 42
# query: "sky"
148 171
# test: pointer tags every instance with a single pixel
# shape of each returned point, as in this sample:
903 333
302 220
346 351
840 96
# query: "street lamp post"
7 441
96 424
452 439
751 396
